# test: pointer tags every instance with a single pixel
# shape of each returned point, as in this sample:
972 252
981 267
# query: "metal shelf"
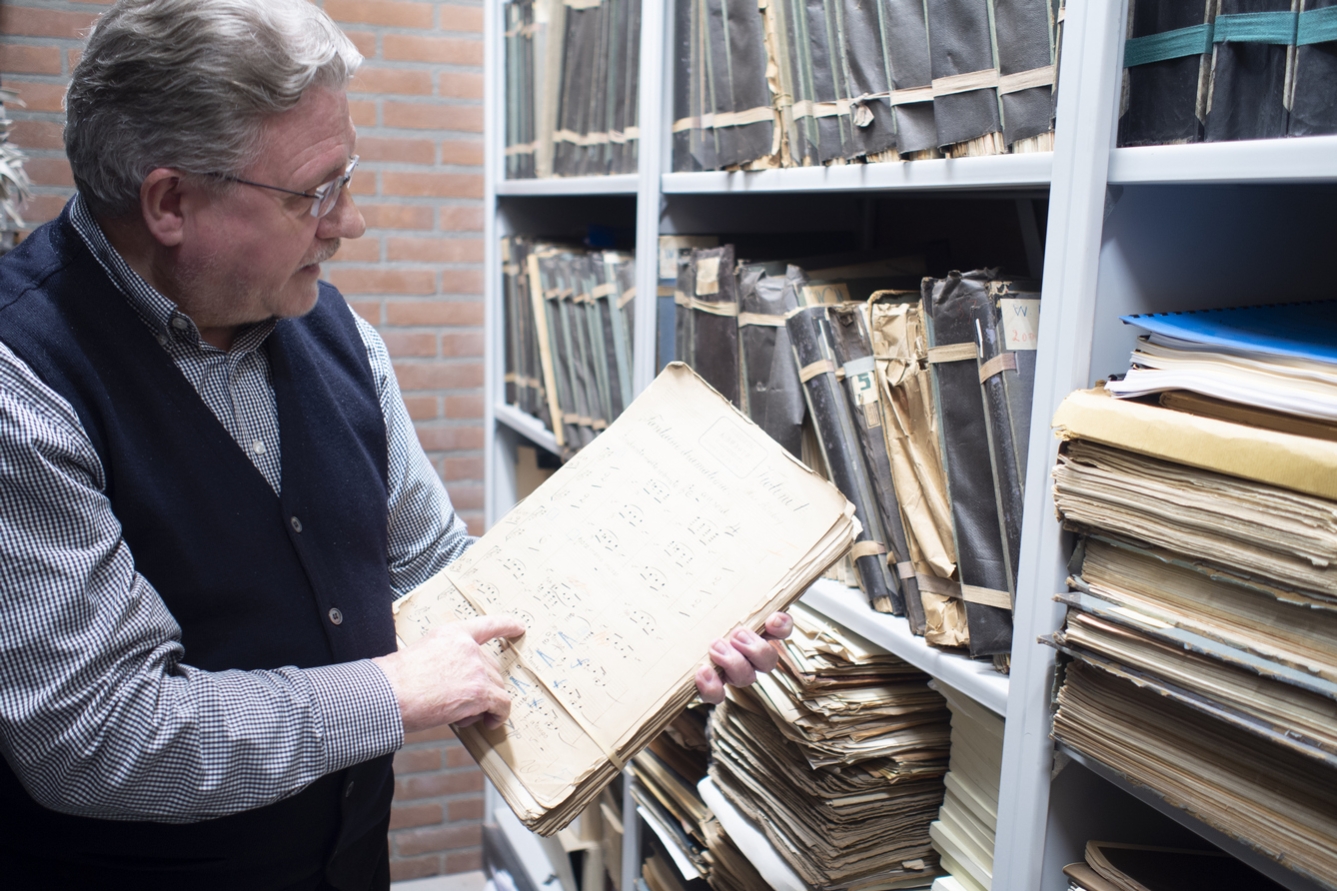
619 184
528 426
1025 171
754 844
849 607
1299 160
1240 851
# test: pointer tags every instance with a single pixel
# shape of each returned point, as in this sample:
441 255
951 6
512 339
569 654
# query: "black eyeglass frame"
319 195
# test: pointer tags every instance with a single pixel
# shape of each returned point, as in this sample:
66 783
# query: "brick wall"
416 274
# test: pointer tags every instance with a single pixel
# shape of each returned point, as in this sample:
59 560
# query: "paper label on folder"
1021 322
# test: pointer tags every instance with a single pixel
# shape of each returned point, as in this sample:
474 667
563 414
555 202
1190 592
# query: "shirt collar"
161 314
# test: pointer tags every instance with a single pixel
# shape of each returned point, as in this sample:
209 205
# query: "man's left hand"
740 656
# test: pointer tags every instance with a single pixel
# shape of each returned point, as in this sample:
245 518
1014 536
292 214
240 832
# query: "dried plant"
14 183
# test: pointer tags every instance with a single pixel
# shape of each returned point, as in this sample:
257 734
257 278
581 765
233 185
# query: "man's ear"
160 203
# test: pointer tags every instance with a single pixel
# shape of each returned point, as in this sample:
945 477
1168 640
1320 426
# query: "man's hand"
740 656
448 678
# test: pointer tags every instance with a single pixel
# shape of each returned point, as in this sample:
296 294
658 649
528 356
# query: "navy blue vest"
249 589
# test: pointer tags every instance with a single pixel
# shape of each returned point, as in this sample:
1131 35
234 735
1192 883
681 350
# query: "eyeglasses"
324 197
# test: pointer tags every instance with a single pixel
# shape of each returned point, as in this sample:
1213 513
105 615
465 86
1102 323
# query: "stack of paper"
860 820
682 521
666 774
1115 867
1203 617
963 834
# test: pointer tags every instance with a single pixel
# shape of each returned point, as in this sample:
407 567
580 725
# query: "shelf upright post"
1089 83
654 76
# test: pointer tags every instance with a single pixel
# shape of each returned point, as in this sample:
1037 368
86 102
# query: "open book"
682 521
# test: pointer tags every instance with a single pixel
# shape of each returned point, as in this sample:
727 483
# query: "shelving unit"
1126 230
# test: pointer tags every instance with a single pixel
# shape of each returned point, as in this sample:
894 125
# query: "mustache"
326 250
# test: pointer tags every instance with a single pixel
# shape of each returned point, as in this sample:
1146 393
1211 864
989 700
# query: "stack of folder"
568 314
911 394
846 795
1202 619
572 75
963 834
1232 69
798 83
1118 867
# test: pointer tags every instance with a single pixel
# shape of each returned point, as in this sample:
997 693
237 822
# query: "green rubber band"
1256 27
1176 44
1317 26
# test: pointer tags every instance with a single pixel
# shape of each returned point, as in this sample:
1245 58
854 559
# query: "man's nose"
344 221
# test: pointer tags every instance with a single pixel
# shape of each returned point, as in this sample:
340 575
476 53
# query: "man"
210 490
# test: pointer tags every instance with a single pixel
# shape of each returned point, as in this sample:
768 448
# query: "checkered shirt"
101 714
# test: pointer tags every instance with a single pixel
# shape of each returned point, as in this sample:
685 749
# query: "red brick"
461 281
457 755
49 171
434 312
462 344
432 116
442 50
464 861
431 785
364 183
417 760
465 497
417 868
461 469
438 250
461 18
73 56
37 135
418 375
364 250
405 151
422 408
463 152
363 112
437 838
406 343
396 216
30 21
450 439
383 281
460 85
432 185
476 527
381 12
22 58
406 816
456 218
391 80
367 309
365 41
422 736
465 809
460 408
40 208
38 97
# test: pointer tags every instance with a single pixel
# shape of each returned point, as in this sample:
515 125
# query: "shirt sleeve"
99 715
425 532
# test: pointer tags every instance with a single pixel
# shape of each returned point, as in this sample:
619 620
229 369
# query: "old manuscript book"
679 523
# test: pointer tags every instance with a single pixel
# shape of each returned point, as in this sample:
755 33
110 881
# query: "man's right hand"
448 678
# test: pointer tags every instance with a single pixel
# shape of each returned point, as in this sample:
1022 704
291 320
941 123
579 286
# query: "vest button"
335 616
296 524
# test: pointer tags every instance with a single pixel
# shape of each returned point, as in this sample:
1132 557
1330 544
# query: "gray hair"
187 84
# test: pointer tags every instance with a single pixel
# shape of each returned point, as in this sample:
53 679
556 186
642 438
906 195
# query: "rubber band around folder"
997 365
1192 41
821 366
1256 27
867 549
758 318
905 570
952 352
986 596
1316 26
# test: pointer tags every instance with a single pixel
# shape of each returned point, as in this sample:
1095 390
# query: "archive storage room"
903 455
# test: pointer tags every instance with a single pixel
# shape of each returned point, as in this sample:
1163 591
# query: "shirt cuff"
359 713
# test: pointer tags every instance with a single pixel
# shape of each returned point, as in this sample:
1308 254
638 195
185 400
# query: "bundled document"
683 521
